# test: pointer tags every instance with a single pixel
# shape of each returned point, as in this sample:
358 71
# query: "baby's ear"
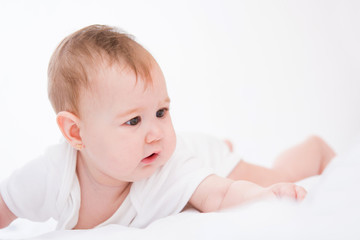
69 127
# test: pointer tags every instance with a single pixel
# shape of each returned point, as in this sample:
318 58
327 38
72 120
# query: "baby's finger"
300 193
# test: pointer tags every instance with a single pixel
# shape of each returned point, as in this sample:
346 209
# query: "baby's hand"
290 190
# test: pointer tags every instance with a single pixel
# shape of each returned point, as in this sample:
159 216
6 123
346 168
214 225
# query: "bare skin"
304 160
250 182
6 216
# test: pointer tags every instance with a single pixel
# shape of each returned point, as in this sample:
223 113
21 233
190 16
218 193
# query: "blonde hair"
81 53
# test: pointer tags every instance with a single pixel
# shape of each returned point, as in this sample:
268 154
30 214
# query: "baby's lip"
150 158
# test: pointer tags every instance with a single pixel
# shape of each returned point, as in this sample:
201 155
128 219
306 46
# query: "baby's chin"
145 171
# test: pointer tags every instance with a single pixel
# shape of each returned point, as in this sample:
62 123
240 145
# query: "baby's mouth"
151 158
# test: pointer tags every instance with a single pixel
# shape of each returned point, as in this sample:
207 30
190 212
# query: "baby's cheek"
171 139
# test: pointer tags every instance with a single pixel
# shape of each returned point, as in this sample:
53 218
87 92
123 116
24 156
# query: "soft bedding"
330 211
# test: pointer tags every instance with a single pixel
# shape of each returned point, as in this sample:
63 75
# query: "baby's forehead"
117 87
106 75
118 78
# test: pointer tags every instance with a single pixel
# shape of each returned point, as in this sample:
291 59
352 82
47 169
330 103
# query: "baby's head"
83 54
112 104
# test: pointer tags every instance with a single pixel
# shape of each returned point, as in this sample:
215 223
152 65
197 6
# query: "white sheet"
330 211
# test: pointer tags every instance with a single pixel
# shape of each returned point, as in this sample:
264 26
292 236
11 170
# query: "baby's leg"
257 174
307 159
301 161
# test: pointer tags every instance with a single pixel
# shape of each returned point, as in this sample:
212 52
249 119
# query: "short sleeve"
31 191
169 189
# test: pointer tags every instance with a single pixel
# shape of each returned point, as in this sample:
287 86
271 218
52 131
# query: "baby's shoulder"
54 160
34 190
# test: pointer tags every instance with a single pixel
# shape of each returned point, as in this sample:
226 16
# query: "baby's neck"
87 180
98 201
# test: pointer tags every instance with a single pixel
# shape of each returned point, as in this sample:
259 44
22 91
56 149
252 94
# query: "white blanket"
330 211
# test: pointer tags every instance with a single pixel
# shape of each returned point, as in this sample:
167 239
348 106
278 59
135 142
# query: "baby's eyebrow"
135 110
167 100
127 113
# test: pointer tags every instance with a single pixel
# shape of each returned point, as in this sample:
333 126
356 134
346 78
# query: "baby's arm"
216 193
6 216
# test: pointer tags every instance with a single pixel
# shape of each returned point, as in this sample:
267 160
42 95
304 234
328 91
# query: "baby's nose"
154 134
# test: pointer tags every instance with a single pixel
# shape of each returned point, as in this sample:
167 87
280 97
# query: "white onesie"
48 187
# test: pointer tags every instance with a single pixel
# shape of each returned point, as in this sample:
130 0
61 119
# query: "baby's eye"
161 113
134 121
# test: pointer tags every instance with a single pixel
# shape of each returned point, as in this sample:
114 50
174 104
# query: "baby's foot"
325 151
329 154
229 144
307 159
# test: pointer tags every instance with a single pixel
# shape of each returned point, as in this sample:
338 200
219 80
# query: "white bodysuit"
48 187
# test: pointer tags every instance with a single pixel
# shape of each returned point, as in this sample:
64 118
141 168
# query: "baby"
121 161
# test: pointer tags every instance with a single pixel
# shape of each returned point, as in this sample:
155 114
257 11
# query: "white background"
264 74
